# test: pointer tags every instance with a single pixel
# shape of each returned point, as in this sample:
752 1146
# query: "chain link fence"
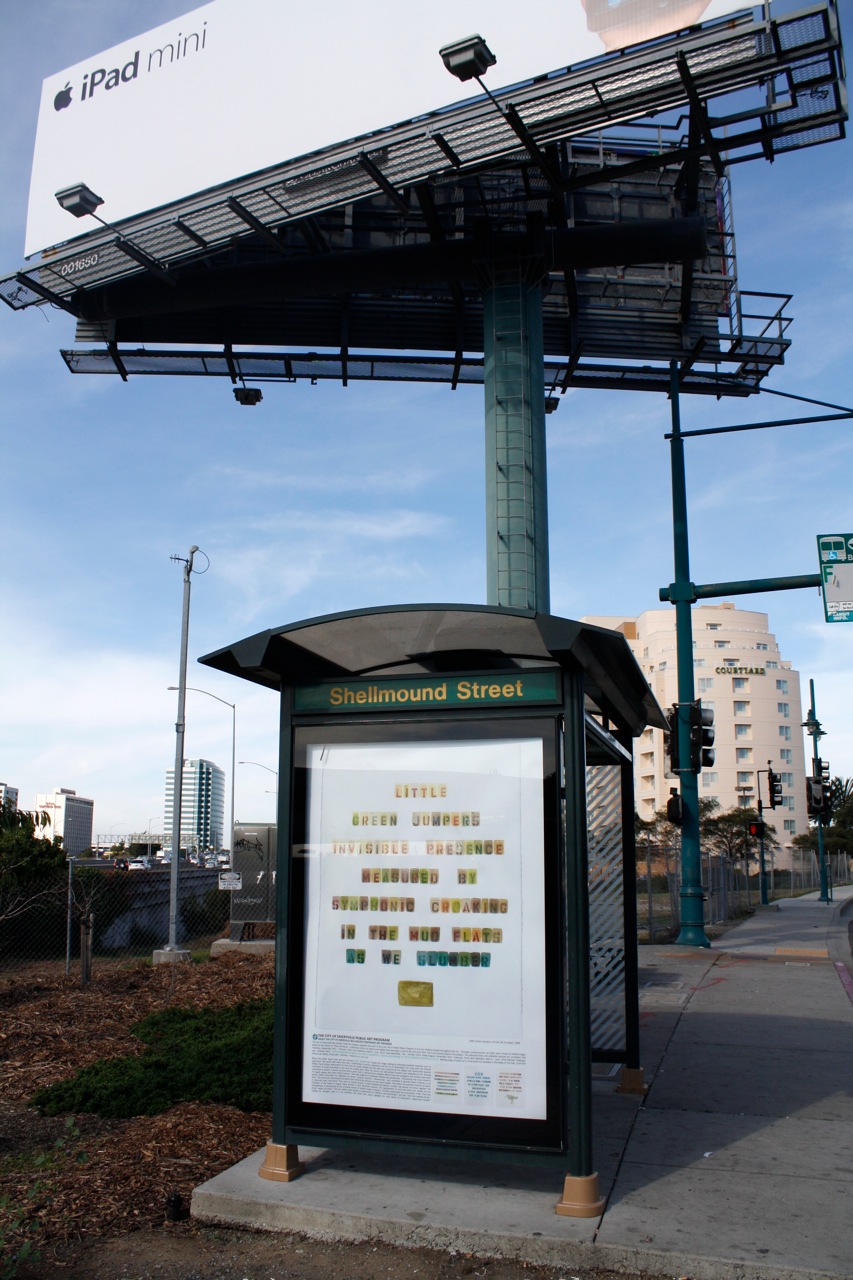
101 912
729 892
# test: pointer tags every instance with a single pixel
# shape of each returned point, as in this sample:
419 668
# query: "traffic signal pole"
681 593
762 865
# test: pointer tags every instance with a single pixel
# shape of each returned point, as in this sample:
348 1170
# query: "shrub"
191 1055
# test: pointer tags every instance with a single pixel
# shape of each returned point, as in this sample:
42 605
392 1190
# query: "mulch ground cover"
68 1178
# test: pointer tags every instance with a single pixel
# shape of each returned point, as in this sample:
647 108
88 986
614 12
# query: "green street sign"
835 553
431 693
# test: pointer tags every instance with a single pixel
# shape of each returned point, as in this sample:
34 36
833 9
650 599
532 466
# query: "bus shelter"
455 882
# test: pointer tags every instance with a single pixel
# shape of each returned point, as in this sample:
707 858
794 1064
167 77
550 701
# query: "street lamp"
233 707
812 726
258 765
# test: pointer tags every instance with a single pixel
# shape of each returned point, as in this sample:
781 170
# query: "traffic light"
821 770
670 742
817 797
774 788
756 828
701 737
673 808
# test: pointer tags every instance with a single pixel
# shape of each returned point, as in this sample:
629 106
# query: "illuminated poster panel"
236 86
424 900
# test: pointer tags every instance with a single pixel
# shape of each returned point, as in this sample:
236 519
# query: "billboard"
240 85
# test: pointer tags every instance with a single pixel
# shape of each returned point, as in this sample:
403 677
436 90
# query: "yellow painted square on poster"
417 994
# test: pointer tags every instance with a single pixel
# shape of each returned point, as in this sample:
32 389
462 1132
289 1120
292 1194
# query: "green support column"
516 483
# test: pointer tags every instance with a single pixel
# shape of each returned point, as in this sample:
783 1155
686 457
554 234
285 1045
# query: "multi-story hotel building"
202 805
755 696
70 817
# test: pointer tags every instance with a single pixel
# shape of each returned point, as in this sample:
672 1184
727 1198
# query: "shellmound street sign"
835 551
231 880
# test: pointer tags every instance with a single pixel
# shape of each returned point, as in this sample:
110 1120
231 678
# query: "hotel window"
713 626
744 778
790 826
743 754
772 666
785 732
730 662
782 686
741 708
745 730
784 709
787 779
786 755
705 683
709 779
661 666
744 802
722 644
740 684
762 646
699 662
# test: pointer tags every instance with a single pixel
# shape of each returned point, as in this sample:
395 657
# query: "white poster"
239 85
425 927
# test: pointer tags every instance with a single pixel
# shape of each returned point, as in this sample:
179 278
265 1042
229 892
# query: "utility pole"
172 951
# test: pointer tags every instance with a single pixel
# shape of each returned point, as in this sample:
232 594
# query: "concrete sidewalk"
737 1164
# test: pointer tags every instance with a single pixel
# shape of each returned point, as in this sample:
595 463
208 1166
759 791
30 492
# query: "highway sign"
835 552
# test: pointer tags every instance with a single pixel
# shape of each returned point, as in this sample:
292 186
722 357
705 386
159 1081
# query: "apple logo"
62 99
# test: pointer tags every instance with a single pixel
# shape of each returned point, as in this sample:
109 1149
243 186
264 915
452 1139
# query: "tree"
31 865
727 833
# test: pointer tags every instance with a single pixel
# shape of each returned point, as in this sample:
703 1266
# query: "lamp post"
171 951
233 707
812 727
148 833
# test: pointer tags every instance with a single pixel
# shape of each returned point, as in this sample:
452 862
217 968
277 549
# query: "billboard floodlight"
467 59
79 200
248 395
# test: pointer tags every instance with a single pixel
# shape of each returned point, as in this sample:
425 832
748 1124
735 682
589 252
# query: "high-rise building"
739 673
8 795
70 817
202 805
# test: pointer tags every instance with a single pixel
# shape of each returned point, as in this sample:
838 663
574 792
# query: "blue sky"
325 498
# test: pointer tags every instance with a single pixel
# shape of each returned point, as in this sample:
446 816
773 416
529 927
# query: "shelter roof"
425 639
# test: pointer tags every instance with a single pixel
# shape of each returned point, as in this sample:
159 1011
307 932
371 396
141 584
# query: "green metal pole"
578 934
816 733
692 932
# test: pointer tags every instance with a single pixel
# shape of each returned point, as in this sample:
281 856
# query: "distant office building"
8 795
739 673
202 805
70 817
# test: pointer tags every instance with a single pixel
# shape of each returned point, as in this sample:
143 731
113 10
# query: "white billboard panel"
240 85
